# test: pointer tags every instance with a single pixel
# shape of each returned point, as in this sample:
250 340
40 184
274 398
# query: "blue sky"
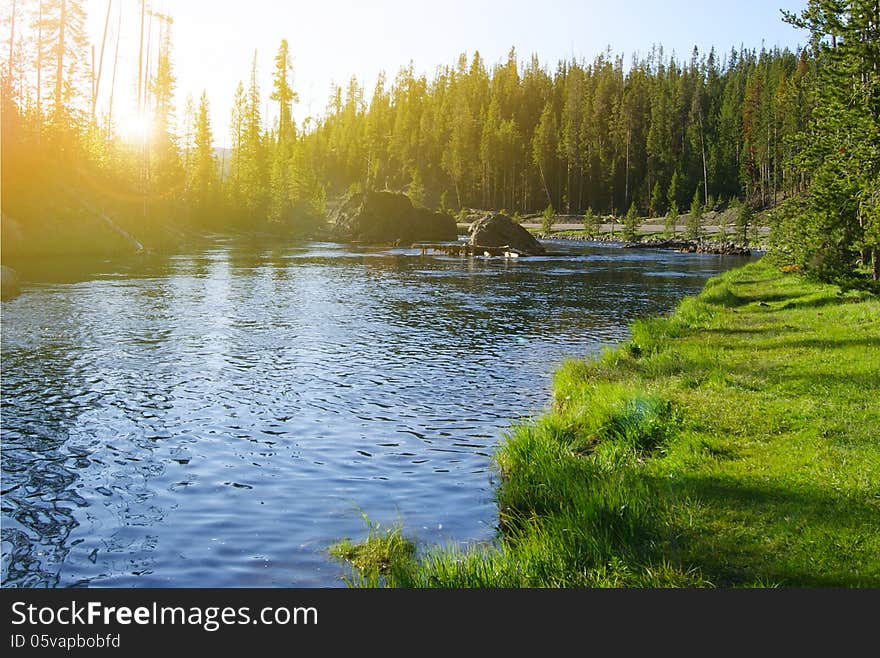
331 40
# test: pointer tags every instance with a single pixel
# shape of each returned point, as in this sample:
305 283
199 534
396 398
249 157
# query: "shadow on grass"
725 297
747 331
816 343
821 539
817 302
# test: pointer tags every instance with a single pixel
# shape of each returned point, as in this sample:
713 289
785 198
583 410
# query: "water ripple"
218 419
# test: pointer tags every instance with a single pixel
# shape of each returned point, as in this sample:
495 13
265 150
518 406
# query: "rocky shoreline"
681 245
699 246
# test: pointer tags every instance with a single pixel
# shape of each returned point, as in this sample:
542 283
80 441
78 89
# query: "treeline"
70 163
652 138
597 135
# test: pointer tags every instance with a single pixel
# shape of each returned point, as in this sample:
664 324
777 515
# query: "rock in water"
389 217
498 230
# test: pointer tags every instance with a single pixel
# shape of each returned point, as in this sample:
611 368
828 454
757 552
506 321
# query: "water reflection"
218 419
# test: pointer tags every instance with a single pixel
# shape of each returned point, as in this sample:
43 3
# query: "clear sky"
331 40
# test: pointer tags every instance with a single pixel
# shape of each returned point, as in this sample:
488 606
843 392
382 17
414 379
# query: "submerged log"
468 249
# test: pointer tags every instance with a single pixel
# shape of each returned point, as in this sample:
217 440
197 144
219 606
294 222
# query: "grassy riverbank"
733 443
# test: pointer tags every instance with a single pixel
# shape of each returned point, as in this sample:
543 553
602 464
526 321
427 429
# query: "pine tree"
203 179
743 222
416 189
379 121
281 185
695 217
631 223
166 170
237 137
254 166
671 222
835 226
63 35
591 222
284 93
656 200
548 219
673 191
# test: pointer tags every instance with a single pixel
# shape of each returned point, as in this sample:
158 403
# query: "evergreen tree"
631 223
203 179
695 217
416 189
656 207
63 36
283 93
254 166
280 190
671 222
237 136
548 219
743 222
166 170
591 222
834 227
673 191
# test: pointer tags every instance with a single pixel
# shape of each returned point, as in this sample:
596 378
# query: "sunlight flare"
136 128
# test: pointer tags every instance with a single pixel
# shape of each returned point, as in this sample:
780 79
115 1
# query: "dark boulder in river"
389 217
499 230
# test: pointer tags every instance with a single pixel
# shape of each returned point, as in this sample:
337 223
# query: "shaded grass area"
732 443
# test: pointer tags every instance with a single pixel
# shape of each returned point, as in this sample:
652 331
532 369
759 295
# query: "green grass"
373 557
735 442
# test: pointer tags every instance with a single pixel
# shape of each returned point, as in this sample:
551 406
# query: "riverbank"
732 443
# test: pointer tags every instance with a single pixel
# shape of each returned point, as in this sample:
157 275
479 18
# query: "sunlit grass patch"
375 556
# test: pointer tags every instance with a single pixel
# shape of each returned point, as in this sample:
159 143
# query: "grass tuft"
377 555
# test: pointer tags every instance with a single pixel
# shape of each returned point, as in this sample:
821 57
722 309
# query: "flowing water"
219 419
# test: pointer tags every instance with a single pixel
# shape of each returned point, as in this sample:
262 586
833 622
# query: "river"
218 419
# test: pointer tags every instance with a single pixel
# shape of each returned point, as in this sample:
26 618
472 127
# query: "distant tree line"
599 135
586 138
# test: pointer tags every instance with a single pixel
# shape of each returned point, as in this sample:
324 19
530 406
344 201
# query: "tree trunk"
101 58
11 43
544 181
141 60
92 82
705 173
59 67
626 174
113 78
39 75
